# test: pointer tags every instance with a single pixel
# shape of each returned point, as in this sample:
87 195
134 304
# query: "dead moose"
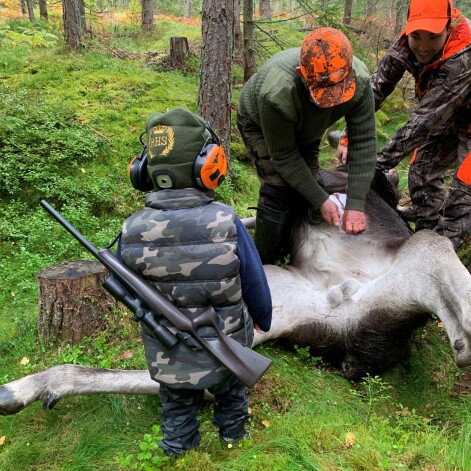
355 300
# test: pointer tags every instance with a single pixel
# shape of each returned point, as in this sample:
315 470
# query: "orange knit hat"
428 15
326 66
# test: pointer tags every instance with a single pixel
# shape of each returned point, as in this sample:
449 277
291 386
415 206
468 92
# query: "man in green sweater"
284 110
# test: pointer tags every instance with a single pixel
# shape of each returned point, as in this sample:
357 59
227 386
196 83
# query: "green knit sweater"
278 103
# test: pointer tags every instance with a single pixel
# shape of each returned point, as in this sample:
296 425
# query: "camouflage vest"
185 245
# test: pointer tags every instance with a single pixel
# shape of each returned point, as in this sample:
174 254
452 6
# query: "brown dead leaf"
133 129
126 355
265 423
350 440
24 361
2 440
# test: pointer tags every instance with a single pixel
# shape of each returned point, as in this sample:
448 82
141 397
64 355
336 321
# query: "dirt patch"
272 394
463 385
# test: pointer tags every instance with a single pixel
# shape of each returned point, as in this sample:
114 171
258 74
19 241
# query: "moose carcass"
356 300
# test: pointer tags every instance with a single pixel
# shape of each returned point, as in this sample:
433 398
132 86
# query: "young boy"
435 47
197 253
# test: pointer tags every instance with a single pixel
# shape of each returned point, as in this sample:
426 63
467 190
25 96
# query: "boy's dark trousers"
180 414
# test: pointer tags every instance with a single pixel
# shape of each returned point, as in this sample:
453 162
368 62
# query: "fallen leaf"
83 170
24 361
126 355
133 129
350 440
13 293
2 440
265 423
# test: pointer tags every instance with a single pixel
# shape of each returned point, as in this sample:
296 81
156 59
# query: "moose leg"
427 276
70 380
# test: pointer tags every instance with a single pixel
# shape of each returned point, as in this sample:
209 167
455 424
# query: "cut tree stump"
72 303
179 51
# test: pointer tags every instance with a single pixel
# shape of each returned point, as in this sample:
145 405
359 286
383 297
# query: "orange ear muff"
210 168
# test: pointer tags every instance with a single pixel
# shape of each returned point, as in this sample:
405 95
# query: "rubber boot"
272 234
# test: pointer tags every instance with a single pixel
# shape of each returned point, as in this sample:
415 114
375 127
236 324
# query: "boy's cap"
326 66
174 140
428 15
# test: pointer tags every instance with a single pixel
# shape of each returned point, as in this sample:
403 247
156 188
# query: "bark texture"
215 88
179 51
72 303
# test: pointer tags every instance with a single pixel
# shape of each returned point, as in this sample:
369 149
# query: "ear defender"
210 168
137 170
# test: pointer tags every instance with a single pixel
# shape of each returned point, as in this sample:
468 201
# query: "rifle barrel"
66 224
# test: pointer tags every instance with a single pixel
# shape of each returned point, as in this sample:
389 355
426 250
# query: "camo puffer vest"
185 245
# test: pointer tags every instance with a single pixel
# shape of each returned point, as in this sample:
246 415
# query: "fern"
24 35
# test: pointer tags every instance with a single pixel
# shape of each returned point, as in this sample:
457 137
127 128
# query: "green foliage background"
69 124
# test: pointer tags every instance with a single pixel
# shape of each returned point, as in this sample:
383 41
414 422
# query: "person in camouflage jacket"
435 48
198 254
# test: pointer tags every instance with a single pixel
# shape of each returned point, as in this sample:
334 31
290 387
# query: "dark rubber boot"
272 234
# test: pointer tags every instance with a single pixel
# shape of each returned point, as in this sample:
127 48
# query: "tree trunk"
43 9
30 5
347 11
23 6
237 33
265 9
249 47
215 88
147 24
72 303
401 16
188 9
179 52
73 23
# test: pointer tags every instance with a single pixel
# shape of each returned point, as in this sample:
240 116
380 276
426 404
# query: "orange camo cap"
428 15
326 66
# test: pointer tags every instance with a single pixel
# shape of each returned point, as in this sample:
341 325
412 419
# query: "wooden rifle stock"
247 365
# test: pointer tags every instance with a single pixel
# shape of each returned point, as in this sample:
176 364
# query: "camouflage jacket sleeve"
441 101
384 80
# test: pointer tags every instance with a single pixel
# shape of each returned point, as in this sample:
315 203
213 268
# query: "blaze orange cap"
428 15
326 66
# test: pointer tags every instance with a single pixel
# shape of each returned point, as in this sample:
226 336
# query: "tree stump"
72 303
179 51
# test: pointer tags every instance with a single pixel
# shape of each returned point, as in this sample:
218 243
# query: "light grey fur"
335 281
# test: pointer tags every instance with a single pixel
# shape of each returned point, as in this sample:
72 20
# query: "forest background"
70 121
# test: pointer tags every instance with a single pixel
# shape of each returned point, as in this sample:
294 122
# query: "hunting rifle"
147 304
